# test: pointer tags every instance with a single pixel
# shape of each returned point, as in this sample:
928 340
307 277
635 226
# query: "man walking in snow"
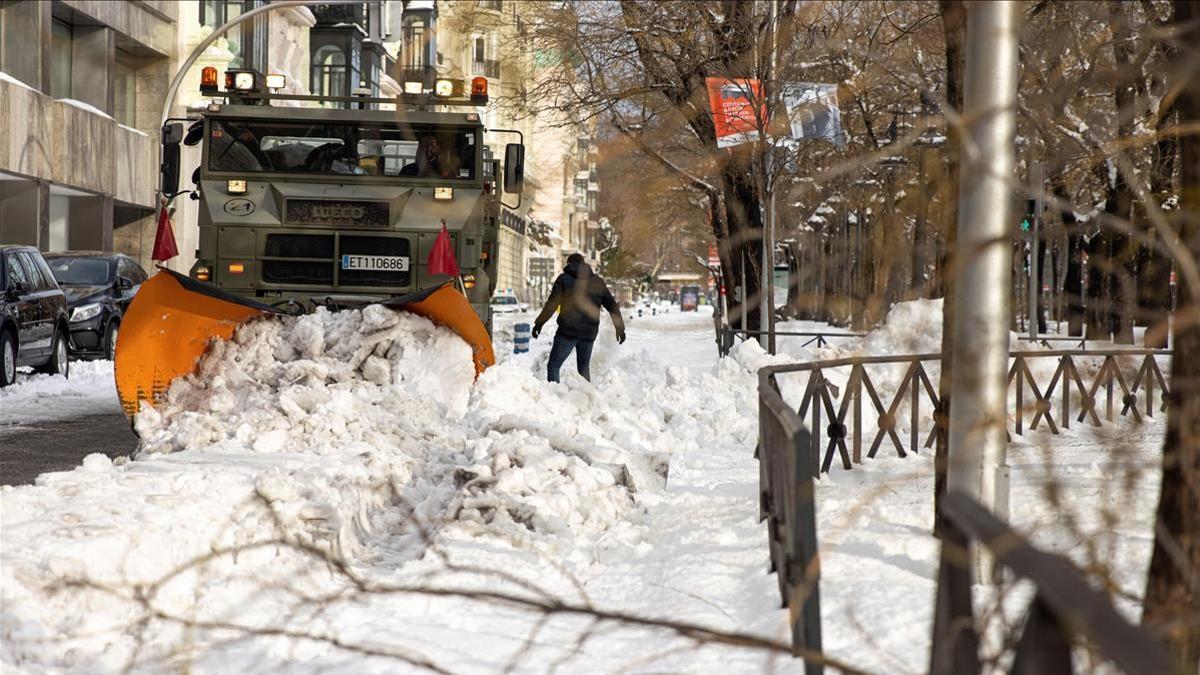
578 295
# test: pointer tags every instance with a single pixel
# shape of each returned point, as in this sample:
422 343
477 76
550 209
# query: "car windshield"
354 149
80 271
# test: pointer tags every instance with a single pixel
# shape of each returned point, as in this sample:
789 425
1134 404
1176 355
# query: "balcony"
426 75
487 68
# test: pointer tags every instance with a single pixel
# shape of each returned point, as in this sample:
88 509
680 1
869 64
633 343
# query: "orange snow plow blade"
166 330
173 320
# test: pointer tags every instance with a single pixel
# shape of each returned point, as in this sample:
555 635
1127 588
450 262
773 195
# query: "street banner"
813 111
732 103
714 257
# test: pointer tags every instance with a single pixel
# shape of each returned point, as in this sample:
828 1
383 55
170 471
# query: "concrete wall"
55 141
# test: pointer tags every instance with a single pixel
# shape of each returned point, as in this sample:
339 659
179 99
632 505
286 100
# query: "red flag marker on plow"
441 256
164 238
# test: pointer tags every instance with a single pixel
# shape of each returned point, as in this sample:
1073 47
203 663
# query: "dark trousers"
562 349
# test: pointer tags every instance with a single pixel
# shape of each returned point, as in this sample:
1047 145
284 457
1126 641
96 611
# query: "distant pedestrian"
578 295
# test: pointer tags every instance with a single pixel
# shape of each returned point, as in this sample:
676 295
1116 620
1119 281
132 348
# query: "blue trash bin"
521 338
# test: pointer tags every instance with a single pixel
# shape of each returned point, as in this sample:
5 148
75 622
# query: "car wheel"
8 359
110 341
59 363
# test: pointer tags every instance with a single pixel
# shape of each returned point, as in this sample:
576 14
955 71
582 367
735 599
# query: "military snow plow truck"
335 206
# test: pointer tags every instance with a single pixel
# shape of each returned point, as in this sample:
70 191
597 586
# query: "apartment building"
81 87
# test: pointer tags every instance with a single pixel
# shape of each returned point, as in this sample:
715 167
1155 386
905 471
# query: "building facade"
81 85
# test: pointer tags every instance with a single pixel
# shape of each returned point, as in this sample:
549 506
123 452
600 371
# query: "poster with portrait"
813 112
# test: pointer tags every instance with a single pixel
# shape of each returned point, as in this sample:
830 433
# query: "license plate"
376 263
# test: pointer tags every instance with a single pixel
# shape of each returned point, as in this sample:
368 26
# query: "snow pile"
359 436
36 397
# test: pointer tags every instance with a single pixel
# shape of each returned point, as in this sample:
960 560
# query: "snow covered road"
334 495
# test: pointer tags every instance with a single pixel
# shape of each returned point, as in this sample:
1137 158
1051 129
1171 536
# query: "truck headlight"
243 81
85 312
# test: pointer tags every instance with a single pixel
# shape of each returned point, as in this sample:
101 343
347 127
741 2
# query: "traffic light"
1030 214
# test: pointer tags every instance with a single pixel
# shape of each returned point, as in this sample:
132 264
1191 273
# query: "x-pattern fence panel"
791 457
1126 379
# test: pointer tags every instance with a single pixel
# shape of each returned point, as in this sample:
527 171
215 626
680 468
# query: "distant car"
33 315
507 304
99 287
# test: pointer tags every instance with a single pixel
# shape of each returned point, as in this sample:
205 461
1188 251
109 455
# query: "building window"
216 13
124 92
60 59
329 71
480 49
414 43
248 41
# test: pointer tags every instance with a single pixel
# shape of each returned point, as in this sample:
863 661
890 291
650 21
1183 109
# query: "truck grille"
317 256
309 272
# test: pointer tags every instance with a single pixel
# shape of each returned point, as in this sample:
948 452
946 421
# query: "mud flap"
173 320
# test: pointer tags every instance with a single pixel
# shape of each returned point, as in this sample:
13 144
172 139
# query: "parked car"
33 315
506 304
99 287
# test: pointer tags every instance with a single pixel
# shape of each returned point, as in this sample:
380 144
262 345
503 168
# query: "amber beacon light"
208 79
479 89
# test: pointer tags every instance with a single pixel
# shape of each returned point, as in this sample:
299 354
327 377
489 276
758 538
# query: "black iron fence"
1128 381
786 478
726 335
791 458
1065 610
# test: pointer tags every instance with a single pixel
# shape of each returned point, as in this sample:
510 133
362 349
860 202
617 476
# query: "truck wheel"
8 359
59 363
110 340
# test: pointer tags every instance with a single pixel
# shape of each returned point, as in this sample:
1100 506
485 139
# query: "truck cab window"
344 149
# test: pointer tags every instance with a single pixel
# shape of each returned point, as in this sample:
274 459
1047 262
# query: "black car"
99 287
33 315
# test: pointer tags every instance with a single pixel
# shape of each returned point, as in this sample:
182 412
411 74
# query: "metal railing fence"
786 485
837 421
791 458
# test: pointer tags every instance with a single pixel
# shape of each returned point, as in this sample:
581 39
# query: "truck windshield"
343 149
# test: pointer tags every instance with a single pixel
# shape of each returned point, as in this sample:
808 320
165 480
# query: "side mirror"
15 289
124 284
514 168
172 135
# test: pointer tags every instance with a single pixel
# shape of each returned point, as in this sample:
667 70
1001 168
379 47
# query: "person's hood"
81 295
578 269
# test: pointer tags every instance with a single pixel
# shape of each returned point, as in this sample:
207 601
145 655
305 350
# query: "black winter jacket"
578 294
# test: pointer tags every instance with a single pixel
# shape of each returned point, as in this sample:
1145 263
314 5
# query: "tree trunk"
1154 283
954 29
744 238
1122 276
1172 603
1073 283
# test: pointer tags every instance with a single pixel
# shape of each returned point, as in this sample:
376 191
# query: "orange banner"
732 103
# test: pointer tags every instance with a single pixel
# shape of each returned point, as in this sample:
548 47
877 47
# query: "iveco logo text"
340 212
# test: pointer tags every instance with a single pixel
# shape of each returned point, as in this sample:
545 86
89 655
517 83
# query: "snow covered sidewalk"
333 494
